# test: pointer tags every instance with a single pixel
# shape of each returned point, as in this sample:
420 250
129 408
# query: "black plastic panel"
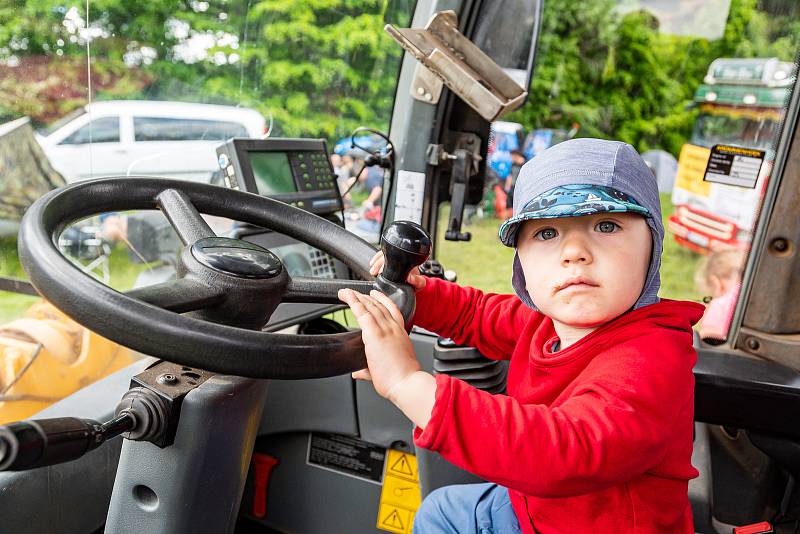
738 391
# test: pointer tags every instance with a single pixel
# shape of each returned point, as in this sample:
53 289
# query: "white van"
122 137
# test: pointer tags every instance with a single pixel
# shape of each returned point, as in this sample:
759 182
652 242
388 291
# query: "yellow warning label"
401 464
400 496
400 492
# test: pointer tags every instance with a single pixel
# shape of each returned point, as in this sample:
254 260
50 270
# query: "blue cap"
583 177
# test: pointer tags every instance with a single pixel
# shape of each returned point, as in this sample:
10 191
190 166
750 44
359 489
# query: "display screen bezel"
247 180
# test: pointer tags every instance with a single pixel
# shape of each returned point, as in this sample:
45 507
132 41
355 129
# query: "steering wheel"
211 316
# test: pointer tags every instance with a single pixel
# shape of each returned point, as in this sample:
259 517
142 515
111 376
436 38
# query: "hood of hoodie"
611 164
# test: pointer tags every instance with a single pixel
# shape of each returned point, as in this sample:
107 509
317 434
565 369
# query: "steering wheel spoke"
183 216
322 290
179 296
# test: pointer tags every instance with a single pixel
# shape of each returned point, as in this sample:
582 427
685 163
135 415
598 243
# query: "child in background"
595 434
719 276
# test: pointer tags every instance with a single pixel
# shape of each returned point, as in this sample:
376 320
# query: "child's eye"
606 227
545 233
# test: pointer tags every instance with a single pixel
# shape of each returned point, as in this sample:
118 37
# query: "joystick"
405 245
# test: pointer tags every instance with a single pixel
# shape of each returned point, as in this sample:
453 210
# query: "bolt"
753 344
420 90
779 244
167 379
428 97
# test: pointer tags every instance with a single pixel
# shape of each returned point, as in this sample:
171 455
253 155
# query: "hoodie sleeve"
616 423
489 322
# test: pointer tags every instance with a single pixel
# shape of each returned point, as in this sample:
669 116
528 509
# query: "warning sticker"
732 165
346 455
402 464
400 496
393 519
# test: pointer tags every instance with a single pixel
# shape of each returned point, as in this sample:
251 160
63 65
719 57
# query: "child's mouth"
576 284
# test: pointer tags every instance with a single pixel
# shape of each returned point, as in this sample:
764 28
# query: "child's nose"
575 250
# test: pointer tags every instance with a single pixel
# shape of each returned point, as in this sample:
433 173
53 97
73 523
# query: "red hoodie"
596 437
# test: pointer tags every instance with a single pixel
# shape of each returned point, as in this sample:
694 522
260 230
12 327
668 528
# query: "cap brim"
508 230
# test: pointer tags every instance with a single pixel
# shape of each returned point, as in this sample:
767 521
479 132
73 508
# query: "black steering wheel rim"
179 338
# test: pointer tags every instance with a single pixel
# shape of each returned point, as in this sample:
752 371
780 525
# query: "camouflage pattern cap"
571 200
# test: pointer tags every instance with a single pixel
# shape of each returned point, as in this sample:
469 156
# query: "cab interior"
240 354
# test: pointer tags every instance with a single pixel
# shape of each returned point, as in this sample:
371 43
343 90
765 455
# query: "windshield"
632 71
153 89
726 126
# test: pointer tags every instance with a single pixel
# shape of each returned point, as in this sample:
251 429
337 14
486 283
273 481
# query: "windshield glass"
673 79
755 130
153 89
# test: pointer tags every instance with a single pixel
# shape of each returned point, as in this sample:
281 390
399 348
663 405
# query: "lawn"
123 273
485 263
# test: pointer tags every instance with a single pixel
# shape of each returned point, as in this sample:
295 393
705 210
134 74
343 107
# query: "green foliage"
323 67
618 77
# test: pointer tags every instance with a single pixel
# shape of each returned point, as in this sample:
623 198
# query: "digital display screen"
272 172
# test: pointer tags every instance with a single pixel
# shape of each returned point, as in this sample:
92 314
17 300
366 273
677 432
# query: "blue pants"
467 509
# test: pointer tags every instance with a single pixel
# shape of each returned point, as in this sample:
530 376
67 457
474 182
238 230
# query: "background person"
719 277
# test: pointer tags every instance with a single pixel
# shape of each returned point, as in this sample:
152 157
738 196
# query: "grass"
123 273
485 263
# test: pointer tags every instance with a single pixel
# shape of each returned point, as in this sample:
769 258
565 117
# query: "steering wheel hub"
237 258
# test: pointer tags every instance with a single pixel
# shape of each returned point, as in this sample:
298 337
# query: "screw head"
753 344
167 379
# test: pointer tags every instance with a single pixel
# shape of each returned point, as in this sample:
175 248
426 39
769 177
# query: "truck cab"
209 310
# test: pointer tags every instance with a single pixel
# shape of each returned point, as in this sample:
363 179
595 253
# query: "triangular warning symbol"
402 466
393 520
592 196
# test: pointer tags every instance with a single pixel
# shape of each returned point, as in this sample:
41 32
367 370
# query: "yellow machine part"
45 356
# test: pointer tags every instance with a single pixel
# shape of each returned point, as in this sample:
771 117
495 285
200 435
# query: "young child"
719 276
595 434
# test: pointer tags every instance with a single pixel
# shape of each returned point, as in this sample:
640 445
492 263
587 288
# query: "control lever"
405 245
37 443
461 173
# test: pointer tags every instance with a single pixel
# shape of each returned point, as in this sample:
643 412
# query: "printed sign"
732 165
347 456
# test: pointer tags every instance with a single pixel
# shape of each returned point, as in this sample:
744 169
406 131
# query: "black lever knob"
405 245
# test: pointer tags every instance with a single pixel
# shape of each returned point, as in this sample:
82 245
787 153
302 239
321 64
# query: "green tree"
319 68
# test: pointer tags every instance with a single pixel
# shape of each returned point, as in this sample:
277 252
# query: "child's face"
585 271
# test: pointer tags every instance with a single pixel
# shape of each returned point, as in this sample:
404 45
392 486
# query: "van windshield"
753 131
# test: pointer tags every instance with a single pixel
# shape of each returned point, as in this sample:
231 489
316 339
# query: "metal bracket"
463 67
426 86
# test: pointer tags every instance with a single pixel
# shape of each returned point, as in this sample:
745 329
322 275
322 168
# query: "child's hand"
415 280
390 356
